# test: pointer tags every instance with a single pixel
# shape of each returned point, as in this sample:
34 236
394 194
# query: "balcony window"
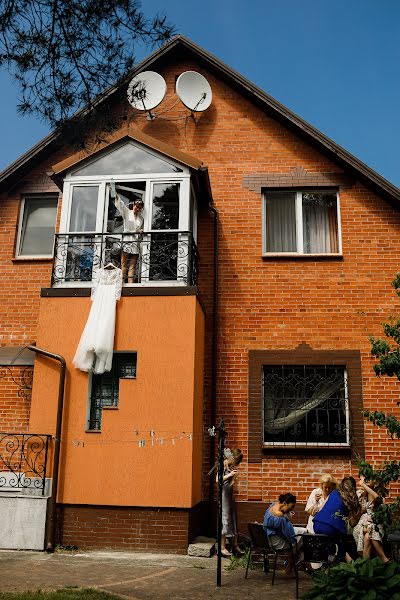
92 227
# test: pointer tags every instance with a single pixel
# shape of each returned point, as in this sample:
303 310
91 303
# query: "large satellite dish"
146 90
194 91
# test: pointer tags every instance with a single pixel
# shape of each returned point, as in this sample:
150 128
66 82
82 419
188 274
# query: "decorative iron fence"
23 461
305 405
161 257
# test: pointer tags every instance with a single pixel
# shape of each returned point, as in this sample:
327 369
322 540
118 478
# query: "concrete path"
137 576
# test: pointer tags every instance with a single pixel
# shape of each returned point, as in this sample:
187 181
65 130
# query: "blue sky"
333 62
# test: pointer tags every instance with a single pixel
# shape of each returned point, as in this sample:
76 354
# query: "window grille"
105 387
305 405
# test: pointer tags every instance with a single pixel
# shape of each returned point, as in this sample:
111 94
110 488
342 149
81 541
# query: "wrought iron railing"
161 257
305 405
23 461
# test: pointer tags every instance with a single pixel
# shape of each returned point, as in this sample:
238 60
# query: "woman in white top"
133 223
318 497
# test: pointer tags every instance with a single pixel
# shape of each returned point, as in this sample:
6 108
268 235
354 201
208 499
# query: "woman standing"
318 497
229 525
366 533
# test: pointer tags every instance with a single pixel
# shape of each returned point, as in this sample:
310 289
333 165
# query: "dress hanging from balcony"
95 349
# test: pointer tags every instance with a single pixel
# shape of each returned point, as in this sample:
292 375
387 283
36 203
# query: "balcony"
163 258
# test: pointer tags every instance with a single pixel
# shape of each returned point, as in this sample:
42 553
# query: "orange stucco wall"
109 468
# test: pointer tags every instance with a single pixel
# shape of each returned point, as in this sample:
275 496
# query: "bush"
363 579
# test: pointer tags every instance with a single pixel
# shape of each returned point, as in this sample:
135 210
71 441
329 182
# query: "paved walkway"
136 576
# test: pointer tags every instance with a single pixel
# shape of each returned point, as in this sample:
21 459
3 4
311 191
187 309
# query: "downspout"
214 349
51 519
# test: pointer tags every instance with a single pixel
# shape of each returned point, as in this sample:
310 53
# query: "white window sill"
47 257
298 255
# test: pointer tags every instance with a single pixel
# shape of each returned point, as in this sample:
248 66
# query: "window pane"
281 222
105 387
128 192
84 208
165 206
304 404
320 227
127 159
38 226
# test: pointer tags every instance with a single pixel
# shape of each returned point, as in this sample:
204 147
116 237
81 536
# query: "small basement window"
104 388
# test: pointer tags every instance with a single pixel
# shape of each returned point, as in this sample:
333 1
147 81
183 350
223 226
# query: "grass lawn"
67 593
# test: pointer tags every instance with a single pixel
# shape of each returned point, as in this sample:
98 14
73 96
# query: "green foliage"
387 351
363 579
240 562
380 419
64 53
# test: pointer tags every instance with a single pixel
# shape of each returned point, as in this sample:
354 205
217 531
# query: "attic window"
128 158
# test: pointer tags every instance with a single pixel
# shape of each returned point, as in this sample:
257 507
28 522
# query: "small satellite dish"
146 90
194 91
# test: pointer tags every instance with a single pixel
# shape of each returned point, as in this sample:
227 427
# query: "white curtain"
320 224
281 222
276 417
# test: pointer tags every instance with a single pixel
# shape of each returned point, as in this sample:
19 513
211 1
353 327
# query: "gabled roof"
202 183
182 45
133 133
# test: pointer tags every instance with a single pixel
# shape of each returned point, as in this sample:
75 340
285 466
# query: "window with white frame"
305 405
301 222
93 225
36 229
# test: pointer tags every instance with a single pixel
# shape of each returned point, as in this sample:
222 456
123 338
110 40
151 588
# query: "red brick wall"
15 400
263 304
144 529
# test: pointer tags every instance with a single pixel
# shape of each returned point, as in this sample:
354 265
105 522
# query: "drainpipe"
51 518
214 349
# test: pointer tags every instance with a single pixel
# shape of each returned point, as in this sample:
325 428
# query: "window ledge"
297 256
109 408
305 448
18 259
93 431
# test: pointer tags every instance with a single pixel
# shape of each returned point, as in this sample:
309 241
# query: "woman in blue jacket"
341 508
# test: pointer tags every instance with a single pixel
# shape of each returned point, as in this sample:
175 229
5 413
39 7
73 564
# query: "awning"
16 356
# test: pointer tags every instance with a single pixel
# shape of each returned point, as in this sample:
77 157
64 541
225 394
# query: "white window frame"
299 222
182 177
285 444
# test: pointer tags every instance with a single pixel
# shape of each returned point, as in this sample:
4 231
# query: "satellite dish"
146 90
194 91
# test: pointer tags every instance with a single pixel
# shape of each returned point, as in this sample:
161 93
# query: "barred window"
305 405
105 387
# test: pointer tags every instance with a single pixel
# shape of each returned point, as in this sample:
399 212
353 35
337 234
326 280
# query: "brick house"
268 267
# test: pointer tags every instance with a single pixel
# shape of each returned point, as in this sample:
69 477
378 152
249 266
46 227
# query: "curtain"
320 233
276 417
281 222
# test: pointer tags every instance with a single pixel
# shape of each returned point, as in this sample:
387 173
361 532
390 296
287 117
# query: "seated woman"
278 526
341 508
318 497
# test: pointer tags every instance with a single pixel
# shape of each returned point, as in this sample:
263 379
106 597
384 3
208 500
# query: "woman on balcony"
133 224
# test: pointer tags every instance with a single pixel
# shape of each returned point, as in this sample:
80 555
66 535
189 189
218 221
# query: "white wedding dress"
95 349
